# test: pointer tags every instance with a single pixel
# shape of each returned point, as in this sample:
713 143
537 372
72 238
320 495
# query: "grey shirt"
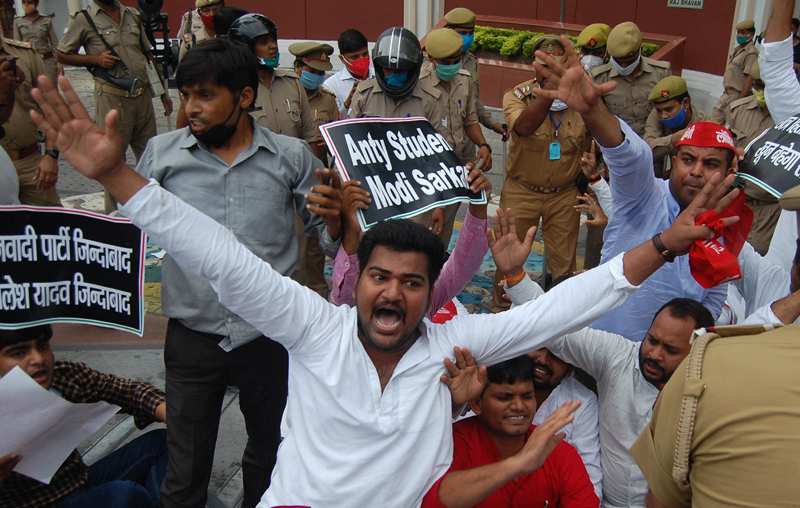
253 198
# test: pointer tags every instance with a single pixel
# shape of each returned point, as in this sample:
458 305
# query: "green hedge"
510 43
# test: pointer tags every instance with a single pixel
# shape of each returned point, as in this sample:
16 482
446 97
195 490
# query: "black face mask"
218 135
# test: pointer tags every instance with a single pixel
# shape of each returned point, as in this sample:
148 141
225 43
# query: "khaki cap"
755 71
549 44
624 39
667 89
314 54
443 43
460 17
594 36
790 200
205 3
747 24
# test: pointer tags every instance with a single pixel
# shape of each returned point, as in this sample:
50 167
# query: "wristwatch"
52 153
487 146
666 255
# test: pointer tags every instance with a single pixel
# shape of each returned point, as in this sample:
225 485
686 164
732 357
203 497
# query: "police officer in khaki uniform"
719 438
547 143
592 43
282 107
397 92
21 140
748 118
312 59
635 75
462 20
737 80
121 28
672 113
444 72
198 24
38 30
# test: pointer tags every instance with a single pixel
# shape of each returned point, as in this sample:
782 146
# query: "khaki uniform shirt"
470 64
323 105
529 156
39 32
659 136
739 63
127 38
284 107
21 132
460 111
191 35
747 122
424 100
629 99
744 448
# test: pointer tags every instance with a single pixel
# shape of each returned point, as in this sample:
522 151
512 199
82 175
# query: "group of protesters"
619 386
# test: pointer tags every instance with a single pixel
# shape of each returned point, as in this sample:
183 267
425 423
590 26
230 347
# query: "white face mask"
558 105
626 71
589 62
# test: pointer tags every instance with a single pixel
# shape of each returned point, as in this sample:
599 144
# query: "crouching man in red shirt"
500 460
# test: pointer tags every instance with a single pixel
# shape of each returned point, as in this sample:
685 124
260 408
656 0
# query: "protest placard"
60 265
771 160
406 165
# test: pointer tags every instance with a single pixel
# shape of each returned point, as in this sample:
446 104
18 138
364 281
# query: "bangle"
666 255
52 153
595 179
487 146
518 277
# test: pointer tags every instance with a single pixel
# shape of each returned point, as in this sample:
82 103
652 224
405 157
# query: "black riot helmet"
397 49
250 27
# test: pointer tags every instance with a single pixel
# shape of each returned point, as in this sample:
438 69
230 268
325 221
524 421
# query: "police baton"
505 143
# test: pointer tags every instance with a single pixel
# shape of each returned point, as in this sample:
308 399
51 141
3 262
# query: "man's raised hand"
91 150
508 252
683 232
466 379
544 439
326 200
575 86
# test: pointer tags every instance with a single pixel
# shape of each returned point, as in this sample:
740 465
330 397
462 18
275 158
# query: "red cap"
707 134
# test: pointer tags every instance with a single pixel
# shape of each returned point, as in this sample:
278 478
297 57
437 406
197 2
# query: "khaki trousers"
560 225
28 193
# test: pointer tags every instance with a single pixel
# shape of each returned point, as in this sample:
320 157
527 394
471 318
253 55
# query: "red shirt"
561 482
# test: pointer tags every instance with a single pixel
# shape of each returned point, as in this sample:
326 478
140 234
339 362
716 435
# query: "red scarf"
711 263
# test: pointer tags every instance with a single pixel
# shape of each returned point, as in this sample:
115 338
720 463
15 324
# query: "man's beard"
362 330
647 361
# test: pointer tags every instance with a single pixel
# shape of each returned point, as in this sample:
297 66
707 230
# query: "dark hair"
558 281
402 235
351 40
682 308
795 22
219 62
12 337
224 18
511 371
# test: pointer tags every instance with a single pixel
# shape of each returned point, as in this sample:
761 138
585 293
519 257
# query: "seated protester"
554 386
501 460
629 375
127 478
468 253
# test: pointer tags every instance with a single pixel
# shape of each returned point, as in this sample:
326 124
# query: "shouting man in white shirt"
373 371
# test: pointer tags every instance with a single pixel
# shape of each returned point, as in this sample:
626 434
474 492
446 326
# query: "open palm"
508 252
90 149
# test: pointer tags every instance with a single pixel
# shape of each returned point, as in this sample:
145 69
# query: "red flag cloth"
710 262
446 313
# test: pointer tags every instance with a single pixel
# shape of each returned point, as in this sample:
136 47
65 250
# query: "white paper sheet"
43 427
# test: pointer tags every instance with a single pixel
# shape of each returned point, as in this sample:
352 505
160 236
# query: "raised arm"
776 58
247 285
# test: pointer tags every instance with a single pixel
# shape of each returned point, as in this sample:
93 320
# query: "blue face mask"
447 72
676 121
397 80
468 40
271 62
310 80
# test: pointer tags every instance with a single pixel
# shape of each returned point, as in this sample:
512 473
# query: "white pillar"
419 16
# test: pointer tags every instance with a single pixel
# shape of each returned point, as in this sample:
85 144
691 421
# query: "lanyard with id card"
555 147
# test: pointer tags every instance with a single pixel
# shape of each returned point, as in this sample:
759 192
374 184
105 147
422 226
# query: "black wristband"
666 255
487 146
595 179
52 153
